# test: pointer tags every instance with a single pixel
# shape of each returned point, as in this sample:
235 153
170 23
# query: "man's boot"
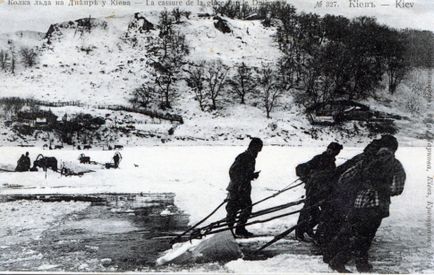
299 234
363 265
310 233
241 231
340 268
326 258
337 264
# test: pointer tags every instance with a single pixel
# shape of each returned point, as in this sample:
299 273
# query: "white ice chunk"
220 246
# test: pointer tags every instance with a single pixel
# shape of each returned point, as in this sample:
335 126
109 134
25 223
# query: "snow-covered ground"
199 175
104 66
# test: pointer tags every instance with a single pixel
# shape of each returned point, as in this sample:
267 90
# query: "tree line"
210 80
323 58
9 58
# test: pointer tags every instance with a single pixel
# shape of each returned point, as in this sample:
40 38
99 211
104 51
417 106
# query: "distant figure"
241 173
83 158
116 159
23 164
27 162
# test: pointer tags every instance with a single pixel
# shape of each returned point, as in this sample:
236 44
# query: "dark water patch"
117 232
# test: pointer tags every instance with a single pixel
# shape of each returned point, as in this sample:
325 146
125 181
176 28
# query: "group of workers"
344 205
24 163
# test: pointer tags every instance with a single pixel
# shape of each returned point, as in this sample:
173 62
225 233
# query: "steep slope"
99 62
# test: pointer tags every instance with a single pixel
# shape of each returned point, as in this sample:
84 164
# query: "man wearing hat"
320 167
23 163
241 173
380 177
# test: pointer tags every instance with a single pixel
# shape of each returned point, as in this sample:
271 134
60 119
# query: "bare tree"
143 95
13 59
170 50
269 90
215 78
28 56
396 61
243 82
196 82
4 58
177 13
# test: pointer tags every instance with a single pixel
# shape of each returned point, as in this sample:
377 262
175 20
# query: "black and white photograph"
216 136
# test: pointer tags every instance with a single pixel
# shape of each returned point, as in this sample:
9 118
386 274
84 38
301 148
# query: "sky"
417 14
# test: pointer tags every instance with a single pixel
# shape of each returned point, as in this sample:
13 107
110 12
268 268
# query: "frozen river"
82 235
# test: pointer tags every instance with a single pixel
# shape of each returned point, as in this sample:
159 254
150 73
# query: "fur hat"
390 142
335 146
255 143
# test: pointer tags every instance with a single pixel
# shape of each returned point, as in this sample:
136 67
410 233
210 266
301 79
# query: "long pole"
255 222
286 232
197 224
218 224
280 236
253 215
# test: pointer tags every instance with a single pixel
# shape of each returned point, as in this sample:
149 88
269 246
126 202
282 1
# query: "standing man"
344 186
116 159
23 163
315 174
241 173
380 179
26 162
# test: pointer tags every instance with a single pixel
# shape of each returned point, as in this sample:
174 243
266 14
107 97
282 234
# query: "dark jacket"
23 164
321 162
26 163
317 174
241 173
382 178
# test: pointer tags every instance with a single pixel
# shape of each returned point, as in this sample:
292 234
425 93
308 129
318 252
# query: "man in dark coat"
241 173
378 179
26 162
116 159
343 185
23 163
315 174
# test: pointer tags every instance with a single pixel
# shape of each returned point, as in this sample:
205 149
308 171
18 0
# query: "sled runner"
7 168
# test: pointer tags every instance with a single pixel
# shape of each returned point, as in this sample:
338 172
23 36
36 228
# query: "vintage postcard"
216 136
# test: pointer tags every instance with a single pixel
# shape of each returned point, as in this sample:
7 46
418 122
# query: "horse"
44 163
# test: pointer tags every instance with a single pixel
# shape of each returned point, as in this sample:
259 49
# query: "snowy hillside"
102 65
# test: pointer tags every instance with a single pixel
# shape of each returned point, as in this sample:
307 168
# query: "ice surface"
199 176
